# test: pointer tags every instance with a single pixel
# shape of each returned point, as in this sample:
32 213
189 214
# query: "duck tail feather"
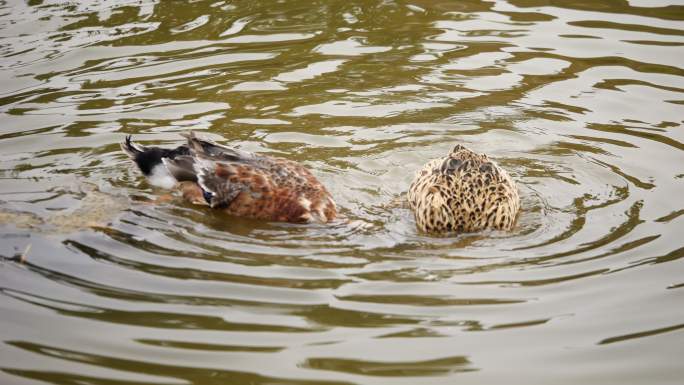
131 149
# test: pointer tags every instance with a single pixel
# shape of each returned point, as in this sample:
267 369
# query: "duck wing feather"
209 150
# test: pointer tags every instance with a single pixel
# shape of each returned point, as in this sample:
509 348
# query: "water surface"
580 100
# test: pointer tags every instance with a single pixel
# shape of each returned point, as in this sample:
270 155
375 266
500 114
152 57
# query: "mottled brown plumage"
463 192
239 182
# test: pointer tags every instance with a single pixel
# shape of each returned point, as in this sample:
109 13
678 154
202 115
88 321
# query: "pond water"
581 101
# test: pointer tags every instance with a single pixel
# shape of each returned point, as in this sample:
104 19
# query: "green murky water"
580 100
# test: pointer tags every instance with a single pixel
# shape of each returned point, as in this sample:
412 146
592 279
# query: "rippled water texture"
102 283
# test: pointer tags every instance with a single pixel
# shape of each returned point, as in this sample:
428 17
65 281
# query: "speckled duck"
463 192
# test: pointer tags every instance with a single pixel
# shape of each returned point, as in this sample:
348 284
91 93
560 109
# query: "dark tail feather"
132 150
147 158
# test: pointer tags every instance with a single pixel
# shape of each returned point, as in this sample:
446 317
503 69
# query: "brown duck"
463 192
238 182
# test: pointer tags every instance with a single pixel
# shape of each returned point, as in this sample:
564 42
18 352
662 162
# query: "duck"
463 192
238 182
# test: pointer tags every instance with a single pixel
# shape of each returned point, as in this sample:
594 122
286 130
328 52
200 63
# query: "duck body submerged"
463 192
238 182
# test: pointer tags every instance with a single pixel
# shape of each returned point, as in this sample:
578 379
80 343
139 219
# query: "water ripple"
105 279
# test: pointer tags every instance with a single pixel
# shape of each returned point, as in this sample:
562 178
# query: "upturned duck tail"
151 161
131 149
